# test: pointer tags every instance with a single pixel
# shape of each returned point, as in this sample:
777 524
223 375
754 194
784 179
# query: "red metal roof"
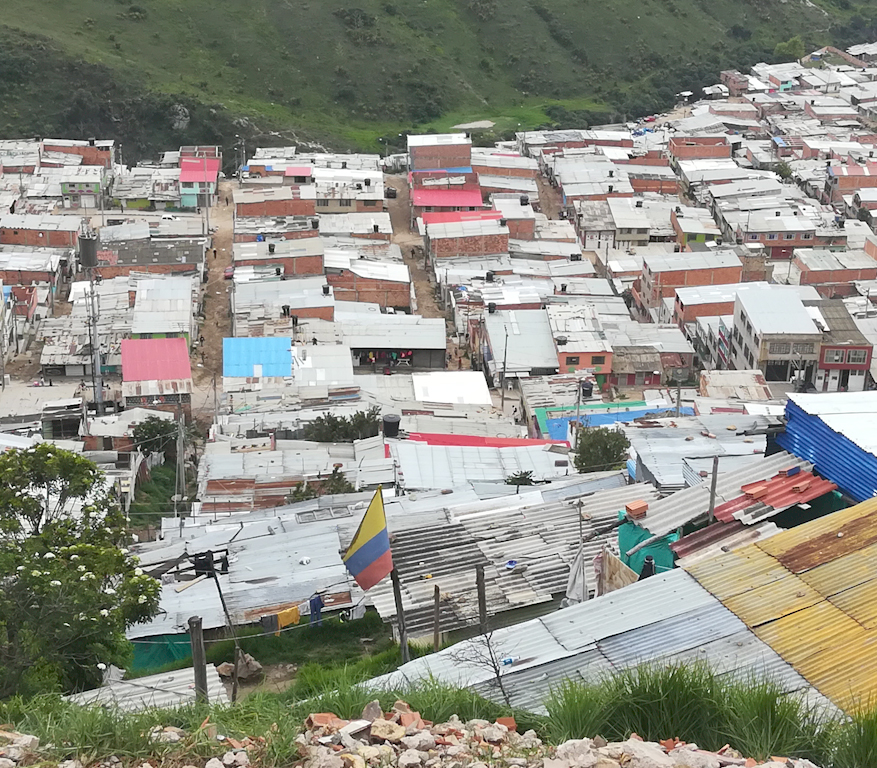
478 441
199 169
299 170
447 198
779 494
448 217
155 360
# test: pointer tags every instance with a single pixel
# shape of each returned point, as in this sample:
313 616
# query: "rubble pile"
401 738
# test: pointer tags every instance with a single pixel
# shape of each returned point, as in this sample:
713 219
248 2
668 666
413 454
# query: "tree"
600 449
524 477
334 483
791 50
344 429
783 170
155 435
70 589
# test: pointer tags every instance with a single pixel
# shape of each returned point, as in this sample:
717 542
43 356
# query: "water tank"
368 183
391 424
489 277
491 307
271 247
88 251
325 290
587 389
525 200
376 228
563 287
315 223
503 222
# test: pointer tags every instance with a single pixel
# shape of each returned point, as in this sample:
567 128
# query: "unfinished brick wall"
291 265
477 245
440 156
350 287
294 207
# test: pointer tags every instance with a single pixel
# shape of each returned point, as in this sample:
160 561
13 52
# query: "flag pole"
400 616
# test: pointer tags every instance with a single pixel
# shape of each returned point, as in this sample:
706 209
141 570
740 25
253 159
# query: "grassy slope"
356 71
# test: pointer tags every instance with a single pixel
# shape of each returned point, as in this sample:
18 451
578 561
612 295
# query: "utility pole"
436 618
400 617
482 598
215 402
678 399
206 196
88 259
713 482
579 505
505 357
199 658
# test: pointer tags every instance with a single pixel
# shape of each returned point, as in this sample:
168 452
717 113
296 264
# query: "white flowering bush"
69 590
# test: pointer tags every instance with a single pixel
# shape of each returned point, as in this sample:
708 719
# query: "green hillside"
348 71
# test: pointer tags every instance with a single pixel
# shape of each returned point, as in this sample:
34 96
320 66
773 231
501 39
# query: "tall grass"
657 702
694 703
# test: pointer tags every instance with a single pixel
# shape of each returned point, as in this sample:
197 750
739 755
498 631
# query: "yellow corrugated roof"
811 594
772 601
821 541
859 602
734 573
800 635
843 573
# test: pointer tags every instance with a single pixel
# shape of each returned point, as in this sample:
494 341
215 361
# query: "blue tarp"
557 428
241 355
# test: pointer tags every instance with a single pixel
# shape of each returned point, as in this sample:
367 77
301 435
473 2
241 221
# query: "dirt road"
421 274
550 199
407 239
216 294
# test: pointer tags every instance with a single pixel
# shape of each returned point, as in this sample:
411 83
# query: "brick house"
274 201
179 256
467 238
91 151
377 282
663 274
292 257
115 432
40 230
156 373
698 147
844 354
579 340
834 272
257 229
846 179
439 150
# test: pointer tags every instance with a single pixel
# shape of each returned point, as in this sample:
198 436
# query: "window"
753 237
803 348
369 203
789 236
598 359
857 356
808 235
779 348
572 360
345 203
322 203
833 356
772 236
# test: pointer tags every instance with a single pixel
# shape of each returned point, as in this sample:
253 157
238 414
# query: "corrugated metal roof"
155 360
667 617
164 691
811 594
827 538
692 504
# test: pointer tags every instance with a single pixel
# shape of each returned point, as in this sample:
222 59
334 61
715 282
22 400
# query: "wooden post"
400 617
482 598
436 613
711 516
199 659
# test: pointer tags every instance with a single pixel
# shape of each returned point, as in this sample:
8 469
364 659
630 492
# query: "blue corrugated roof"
240 356
834 455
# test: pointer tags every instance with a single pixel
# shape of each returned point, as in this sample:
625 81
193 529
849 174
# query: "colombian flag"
368 558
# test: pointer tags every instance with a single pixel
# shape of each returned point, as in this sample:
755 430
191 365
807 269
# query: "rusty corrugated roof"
811 594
